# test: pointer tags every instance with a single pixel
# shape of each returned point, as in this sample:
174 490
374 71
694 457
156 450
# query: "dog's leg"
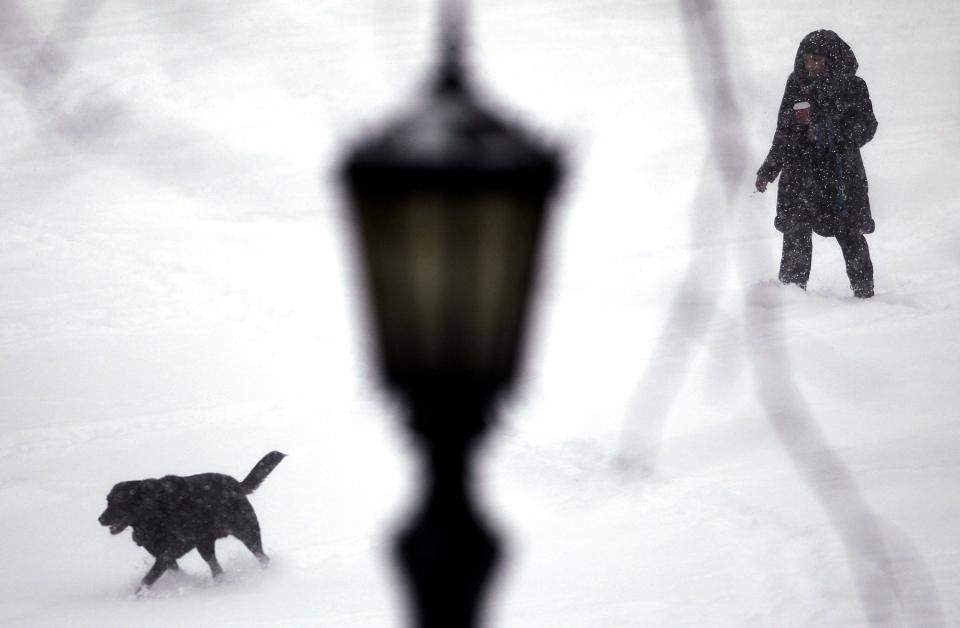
247 529
207 552
250 536
158 569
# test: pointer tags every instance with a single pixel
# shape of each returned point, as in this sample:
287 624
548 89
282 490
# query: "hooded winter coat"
823 184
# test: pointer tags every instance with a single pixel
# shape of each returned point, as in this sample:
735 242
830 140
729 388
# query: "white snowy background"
691 444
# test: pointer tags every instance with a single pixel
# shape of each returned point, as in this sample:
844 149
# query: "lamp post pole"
447 552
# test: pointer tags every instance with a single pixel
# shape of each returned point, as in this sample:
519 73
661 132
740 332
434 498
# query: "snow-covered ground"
692 444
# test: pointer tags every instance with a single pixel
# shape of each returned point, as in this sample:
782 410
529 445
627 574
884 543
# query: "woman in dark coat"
816 152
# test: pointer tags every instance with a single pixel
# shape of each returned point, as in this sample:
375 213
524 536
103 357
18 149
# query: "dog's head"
129 503
123 503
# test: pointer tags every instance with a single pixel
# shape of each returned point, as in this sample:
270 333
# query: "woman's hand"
761 183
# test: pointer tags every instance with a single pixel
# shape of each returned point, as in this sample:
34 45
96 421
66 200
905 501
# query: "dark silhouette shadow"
95 119
36 62
693 308
724 175
687 326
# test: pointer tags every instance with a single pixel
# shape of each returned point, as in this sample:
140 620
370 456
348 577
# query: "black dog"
174 514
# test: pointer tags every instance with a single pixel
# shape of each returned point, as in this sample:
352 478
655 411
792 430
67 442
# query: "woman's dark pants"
798 254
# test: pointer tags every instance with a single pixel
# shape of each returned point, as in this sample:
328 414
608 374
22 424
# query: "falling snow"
692 443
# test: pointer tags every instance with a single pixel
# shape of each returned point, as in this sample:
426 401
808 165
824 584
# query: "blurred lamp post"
449 202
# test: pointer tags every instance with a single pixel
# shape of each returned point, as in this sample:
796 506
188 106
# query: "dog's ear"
145 498
124 493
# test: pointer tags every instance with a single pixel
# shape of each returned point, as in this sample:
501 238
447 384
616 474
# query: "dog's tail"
260 472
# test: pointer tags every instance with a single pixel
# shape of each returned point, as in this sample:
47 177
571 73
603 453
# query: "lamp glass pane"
450 277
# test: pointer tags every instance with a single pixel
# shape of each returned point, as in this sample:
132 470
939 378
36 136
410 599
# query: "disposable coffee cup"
802 111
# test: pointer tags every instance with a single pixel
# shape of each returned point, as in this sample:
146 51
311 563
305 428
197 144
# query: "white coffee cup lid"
802 105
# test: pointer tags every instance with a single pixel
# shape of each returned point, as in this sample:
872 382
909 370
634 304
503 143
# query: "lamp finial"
452 71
